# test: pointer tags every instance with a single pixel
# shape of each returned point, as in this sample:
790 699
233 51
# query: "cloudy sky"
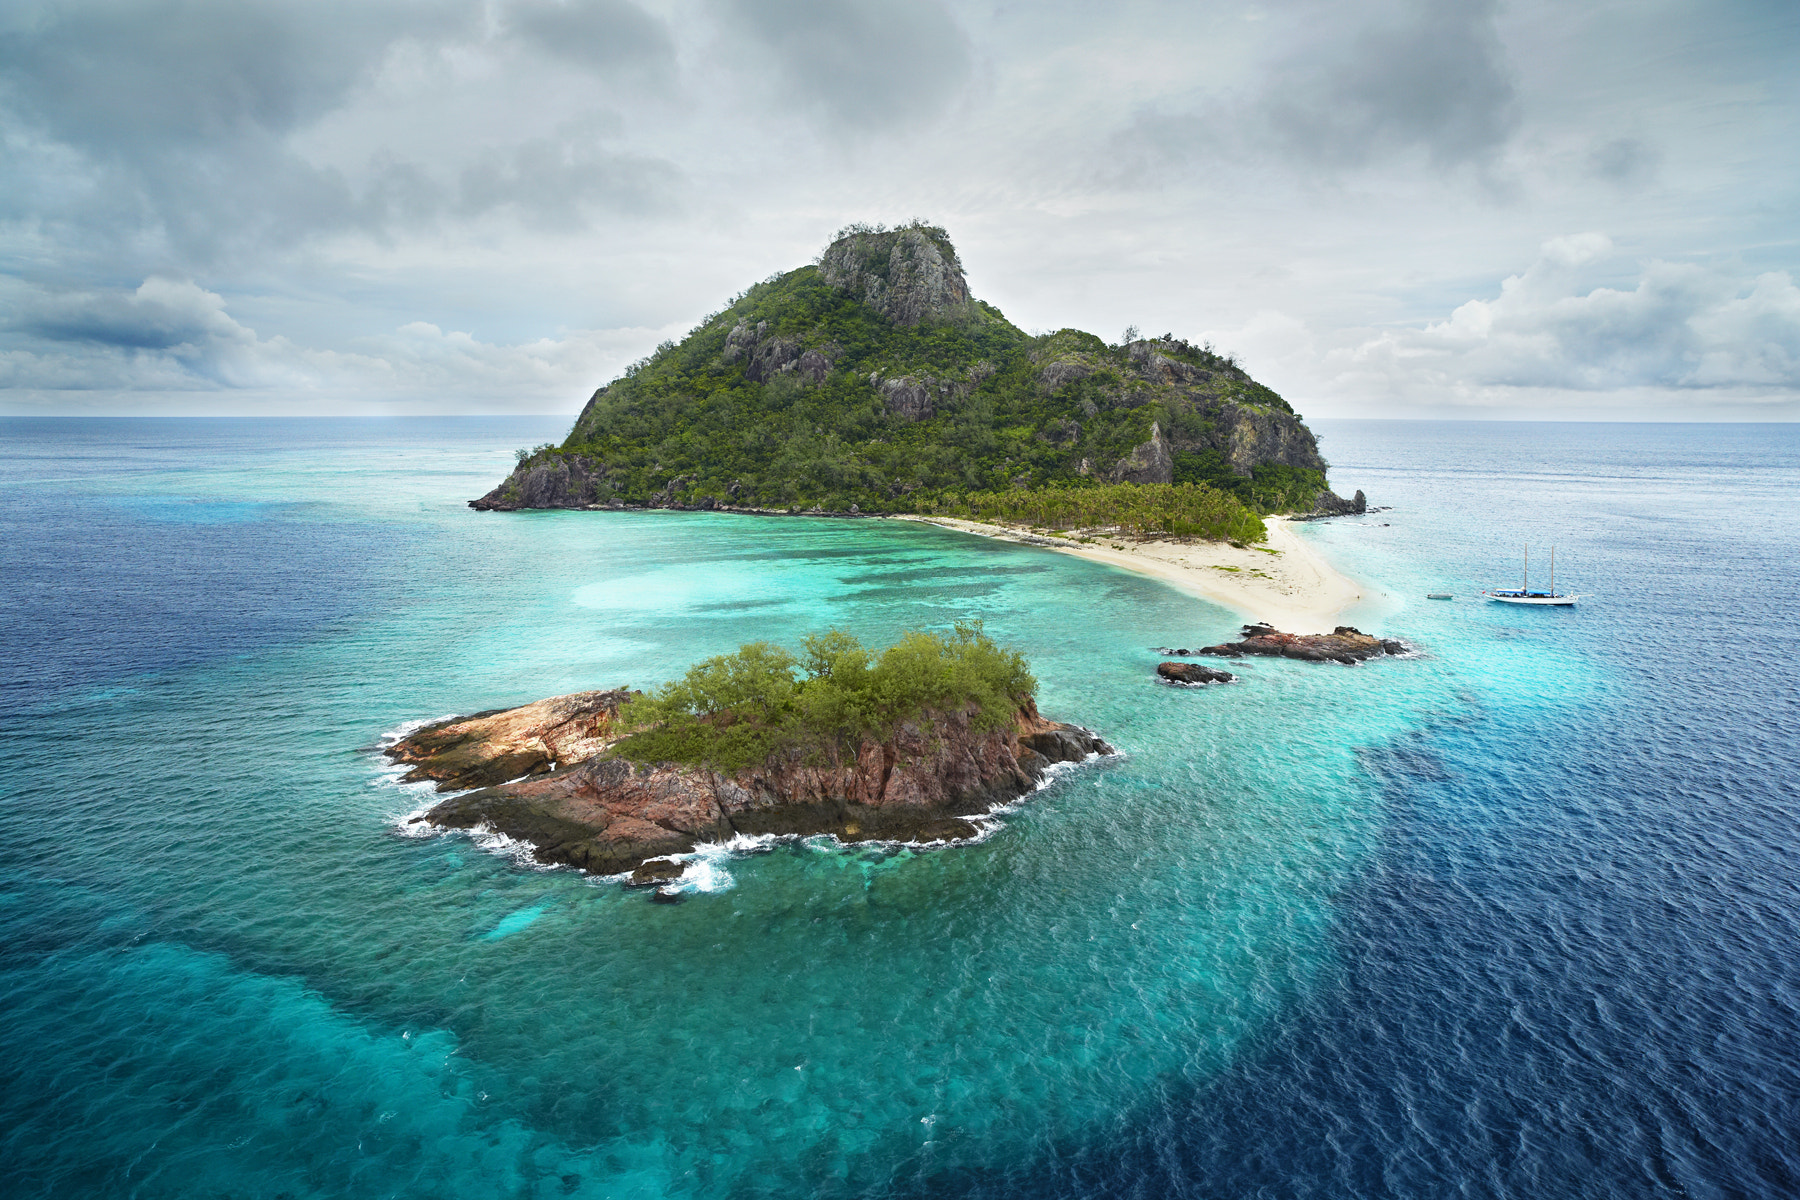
1522 208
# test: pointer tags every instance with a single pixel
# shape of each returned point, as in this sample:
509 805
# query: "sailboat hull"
1555 601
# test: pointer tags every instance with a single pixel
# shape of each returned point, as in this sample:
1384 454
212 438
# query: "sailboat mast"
1525 584
1553 570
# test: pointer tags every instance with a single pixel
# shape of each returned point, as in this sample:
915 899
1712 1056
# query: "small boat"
1523 594
1439 596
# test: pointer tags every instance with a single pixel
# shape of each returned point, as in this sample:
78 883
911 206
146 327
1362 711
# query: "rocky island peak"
908 275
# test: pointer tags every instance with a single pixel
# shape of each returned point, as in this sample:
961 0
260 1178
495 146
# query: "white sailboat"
1523 593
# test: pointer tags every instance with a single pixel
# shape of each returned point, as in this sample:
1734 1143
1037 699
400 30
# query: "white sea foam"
705 866
408 728
409 824
521 853
417 797
414 799
706 873
986 824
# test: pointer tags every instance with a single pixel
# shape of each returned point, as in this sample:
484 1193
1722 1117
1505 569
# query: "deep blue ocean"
1517 916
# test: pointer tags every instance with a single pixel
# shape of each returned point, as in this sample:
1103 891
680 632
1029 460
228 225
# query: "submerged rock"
1180 672
607 814
654 872
1345 644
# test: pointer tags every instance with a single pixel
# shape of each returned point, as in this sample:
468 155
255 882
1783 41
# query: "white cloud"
173 336
1677 329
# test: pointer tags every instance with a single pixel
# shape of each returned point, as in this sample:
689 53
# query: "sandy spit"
1293 588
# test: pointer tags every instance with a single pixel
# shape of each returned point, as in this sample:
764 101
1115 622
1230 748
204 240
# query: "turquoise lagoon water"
1512 916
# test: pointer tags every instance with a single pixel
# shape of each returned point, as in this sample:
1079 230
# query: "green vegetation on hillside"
737 710
1183 510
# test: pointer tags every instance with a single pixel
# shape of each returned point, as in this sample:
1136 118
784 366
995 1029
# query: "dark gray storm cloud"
1626 161
866 64
171 121
165 333
169 115
595 34
130 78
1425 74
160 315
1350 86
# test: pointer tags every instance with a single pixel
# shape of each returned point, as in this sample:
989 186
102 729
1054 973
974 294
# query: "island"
904 745
872 382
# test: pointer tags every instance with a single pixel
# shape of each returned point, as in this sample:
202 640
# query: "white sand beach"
1284 581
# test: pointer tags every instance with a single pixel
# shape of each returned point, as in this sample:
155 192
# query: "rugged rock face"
920 397
1250 436
909 397
501 744
1229 414
1345 644
608 814
1330 504
1149 462
653 872
903 274
764 357
573 481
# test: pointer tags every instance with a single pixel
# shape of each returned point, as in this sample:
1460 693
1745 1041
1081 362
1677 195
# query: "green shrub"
739 709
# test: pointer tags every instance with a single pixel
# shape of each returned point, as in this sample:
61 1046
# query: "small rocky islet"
545 774
1345 644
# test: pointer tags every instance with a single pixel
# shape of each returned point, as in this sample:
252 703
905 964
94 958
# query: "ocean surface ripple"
1514 917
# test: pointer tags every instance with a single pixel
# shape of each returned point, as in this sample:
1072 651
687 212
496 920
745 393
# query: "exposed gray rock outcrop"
1149 462
1330 504
764 357
1055 375
1157 367
902 274
907 397
554 481
921 397
1249 436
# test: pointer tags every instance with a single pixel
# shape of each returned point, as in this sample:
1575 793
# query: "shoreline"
1288 584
